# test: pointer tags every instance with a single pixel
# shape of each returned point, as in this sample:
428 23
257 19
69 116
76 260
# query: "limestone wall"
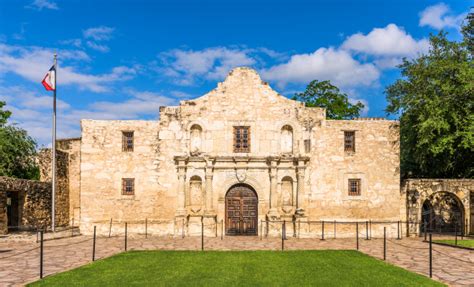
184 164
73 149
104 164
34 202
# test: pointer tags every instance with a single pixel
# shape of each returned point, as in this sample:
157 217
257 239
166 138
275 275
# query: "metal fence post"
334 229
455 234
222 229
370 228
202 233
283 231
424 227
431 258
261 229
384 243
93 245
41 254
182 229
146 227
110 227
357 235
398 230
125 236
322 230
299 228
366 230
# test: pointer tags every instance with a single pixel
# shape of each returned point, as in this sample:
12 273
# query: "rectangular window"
349 141
128 186
127 141
241 139
354 186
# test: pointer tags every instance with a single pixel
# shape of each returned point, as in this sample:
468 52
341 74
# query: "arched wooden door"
241 207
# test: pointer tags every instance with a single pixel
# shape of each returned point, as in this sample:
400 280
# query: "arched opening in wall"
287 192
195 194
442 212
241 209
13 210
195 139
286 139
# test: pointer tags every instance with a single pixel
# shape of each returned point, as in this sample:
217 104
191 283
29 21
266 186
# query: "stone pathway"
19 261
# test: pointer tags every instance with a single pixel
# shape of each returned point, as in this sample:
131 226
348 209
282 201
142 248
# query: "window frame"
128 182
239 139
358 186
128 141
349 141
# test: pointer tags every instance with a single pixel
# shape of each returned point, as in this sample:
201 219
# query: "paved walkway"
19 261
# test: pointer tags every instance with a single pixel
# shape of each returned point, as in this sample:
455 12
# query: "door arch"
241 210
442 212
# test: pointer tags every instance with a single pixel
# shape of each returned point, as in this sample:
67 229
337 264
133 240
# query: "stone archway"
241 210
456 195
442 212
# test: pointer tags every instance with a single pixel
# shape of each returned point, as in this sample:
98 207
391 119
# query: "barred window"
127 141
354 186
241 139
349 141
307 146
128 186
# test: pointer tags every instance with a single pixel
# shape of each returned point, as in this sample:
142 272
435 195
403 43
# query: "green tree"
323 94
4 115
434 100
17 150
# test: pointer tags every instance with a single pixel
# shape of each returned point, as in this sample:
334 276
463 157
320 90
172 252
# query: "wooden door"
241 211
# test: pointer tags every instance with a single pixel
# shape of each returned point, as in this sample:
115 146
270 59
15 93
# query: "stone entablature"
184 164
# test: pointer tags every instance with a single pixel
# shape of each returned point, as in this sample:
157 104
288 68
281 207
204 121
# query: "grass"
464 243
245 268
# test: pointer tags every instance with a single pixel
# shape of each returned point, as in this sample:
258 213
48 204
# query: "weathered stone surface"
417 191
289 142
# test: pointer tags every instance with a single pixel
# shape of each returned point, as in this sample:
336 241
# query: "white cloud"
33 112
389 41
440 16
101 33
97 47
73 42
335 65
43 4
32 63
211 63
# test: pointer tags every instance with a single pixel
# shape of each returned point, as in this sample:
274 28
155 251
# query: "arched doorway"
241 209
442 212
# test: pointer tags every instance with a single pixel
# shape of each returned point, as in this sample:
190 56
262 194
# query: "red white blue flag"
49 81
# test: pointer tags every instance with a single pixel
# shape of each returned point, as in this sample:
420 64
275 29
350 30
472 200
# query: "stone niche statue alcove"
287 194
196 198
195 139
286 139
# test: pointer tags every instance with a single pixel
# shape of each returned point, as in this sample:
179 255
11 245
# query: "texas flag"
49 81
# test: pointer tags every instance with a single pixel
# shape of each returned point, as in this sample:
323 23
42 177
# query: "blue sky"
124 59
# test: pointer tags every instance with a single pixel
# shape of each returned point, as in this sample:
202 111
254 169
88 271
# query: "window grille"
241 139
354 186
349 141
127 141
128 186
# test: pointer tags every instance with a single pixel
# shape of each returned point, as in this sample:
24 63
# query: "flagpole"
53 161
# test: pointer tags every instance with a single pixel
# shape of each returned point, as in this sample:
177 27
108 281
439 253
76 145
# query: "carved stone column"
273 189
209 196
300 170
181 210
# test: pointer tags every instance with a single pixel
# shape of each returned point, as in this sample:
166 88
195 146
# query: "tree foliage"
323 94
435 99
17 150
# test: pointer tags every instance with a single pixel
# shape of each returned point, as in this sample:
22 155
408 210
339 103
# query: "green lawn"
245 268
465 242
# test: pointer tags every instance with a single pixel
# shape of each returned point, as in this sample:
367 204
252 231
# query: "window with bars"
127 141
354 186
349 141
241 139
128 186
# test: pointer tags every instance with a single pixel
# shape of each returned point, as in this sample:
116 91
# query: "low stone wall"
34 202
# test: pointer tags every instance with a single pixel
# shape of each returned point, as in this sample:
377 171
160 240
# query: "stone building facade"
238 155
